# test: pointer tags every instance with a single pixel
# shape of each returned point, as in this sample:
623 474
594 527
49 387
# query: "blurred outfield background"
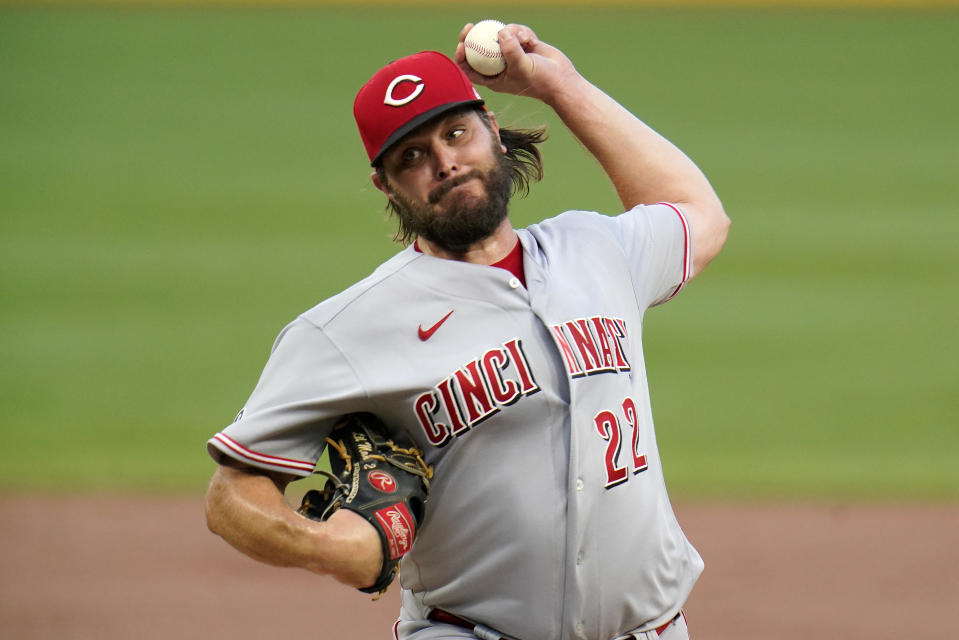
176 183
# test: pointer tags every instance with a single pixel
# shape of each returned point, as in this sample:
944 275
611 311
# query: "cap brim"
420 120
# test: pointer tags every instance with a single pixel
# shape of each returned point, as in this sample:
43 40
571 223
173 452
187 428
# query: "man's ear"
379 183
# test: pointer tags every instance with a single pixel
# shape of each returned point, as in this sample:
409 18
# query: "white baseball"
482 48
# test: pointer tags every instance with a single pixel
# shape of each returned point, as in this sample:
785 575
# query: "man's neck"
489 250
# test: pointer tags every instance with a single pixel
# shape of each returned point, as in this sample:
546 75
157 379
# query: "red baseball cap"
406 93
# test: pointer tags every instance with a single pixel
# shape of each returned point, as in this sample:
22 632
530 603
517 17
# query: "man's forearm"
643 166
249 511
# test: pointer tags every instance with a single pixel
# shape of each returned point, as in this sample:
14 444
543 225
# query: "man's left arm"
643 166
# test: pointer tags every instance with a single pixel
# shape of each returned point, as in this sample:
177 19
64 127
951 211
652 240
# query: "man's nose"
444 162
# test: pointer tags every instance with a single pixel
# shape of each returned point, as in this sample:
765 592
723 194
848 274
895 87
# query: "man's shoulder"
376 284
573 220
574 223
571 226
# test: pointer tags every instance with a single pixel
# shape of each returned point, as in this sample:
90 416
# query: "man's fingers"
524 35
512 48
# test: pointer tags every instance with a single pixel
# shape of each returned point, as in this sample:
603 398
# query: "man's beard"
466 218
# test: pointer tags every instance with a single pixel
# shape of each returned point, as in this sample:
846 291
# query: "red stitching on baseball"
489 53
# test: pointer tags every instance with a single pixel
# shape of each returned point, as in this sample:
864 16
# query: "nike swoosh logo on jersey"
426 334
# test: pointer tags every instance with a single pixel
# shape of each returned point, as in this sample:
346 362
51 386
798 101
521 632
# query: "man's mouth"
441 191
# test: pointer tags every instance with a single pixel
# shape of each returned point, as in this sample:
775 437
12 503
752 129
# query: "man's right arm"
644 167
248 509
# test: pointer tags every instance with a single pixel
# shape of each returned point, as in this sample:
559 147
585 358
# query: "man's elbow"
214 505
710 230
722 222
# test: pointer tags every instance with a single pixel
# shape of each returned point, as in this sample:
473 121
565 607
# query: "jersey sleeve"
658 244
305 386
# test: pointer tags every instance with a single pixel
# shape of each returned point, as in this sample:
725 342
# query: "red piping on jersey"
249 454
686 265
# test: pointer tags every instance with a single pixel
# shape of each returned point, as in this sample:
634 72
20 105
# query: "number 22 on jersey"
610 428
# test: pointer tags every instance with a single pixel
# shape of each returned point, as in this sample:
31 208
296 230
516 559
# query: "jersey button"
514 283
579 558
579 484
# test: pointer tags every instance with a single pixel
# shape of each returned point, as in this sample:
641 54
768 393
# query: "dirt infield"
127 567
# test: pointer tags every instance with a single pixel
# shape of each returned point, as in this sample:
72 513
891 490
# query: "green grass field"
176 184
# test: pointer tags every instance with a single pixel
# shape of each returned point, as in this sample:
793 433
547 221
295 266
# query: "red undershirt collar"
513 262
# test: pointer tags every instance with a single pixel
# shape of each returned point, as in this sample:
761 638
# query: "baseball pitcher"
482 394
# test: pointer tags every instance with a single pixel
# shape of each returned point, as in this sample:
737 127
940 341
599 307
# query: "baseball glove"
382 478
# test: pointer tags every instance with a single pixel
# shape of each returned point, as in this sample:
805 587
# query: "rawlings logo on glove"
398 525
382 478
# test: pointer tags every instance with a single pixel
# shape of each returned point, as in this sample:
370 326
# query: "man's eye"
456 133
411 155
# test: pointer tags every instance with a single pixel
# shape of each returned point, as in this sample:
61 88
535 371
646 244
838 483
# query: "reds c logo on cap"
424 85
398 80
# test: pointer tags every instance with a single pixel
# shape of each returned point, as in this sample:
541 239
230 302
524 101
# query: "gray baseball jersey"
548 516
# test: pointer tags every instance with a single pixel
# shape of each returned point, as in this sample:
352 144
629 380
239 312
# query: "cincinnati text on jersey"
502 375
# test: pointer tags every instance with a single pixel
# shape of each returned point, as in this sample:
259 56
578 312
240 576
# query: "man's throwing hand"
533 68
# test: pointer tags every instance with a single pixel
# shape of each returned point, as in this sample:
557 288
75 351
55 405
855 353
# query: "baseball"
482 48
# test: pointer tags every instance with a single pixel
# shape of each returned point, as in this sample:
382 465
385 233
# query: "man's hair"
522 161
